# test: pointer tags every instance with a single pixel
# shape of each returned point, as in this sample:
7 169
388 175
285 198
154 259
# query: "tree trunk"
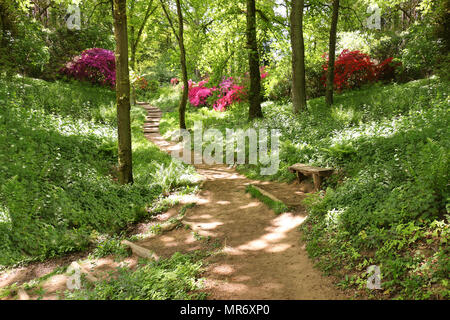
331 54
254 94
123 92
184 96
298 57
133 64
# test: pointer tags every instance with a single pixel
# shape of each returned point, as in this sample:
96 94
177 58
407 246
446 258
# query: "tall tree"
180 39
137 25
298 56
331 53
254 94
123 92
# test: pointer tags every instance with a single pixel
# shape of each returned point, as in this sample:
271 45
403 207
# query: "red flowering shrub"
386 69
142 83
95 65
351 69
174 81
354 68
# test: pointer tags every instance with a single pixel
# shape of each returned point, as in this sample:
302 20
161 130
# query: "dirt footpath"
263 257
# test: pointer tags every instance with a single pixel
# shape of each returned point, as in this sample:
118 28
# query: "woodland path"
258 254
262 255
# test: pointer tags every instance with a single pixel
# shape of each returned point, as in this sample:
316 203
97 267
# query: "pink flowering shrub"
174 81
199 93
95 65
228 92
263 72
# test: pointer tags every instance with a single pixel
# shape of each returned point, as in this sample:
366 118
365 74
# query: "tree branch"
166 13
148 13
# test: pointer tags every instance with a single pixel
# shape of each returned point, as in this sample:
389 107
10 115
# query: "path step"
140 251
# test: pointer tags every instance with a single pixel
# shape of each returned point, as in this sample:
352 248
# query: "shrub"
386 70
229 93
94 65
352 69
199 93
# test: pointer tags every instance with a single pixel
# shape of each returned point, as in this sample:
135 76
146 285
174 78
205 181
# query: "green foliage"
26 51
169 177
421 57
109 245
58 153
176 278
390 146
167 98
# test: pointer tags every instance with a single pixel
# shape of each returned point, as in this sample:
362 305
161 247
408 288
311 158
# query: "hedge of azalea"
95 65
229 91
355 68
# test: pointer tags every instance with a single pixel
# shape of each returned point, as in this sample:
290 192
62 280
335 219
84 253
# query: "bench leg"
317 181
300 177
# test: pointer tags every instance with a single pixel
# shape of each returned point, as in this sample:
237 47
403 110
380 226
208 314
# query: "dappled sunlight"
235 288
223 269
278 247
223 202
167 239
280 226
251 205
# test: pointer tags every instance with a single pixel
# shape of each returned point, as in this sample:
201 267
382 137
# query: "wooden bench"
317 173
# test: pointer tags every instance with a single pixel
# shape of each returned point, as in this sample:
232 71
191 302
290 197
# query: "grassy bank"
58 153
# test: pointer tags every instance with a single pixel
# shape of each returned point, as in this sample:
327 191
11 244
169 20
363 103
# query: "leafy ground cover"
58 156
175 278
388 204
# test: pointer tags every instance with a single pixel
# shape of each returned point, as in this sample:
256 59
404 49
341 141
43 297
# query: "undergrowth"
176 278
58 155
388 204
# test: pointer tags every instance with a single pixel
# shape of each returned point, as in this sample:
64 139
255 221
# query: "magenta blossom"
96 65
